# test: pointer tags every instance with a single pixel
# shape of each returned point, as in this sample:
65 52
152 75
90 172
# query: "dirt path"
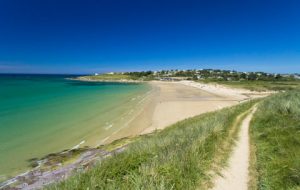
235 176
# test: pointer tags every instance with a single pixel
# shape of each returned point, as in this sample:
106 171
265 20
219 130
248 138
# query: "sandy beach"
170 102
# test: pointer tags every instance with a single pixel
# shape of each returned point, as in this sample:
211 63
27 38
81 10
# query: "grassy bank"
275 138
108 77
260 85
179 157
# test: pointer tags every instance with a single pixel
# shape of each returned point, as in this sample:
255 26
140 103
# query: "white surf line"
138 111
236 175
108 127
78 145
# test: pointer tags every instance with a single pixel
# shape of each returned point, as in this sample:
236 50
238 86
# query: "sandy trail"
236 175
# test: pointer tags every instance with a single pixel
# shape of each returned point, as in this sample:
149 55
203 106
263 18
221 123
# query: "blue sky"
59 36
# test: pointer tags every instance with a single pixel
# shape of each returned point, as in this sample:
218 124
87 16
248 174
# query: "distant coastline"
90 79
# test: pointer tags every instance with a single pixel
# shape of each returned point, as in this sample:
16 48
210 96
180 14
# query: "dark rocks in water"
50 170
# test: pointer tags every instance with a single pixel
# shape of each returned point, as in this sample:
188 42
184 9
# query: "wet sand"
170 102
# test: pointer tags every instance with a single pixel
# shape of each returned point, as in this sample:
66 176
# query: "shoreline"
165 104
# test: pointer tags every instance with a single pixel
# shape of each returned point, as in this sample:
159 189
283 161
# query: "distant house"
96 74
110 73
297 76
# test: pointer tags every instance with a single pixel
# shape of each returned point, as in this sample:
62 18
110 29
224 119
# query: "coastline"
88 79
165 104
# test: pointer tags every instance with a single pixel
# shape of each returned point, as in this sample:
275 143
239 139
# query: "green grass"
116 77
180 157
109 77
260 85
275 134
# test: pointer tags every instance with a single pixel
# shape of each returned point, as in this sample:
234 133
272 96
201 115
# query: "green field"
275 136
109 77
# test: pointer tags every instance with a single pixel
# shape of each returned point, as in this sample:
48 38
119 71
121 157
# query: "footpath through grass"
275 137
179 157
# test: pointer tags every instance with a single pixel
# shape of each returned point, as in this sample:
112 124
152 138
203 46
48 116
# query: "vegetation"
255 81
260 85
275 134
215 75
179 157
144 75
109 77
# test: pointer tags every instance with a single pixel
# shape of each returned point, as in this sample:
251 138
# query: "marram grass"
179 157
275 135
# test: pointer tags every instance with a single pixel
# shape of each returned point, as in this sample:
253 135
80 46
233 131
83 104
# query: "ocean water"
42 114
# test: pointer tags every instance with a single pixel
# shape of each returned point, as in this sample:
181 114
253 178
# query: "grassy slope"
179 157
260 85
109 77
275 134
116 77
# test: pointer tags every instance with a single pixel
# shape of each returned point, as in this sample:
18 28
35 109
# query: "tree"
252 76
243 76
278 77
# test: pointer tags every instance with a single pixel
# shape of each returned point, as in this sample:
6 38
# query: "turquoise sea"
42 114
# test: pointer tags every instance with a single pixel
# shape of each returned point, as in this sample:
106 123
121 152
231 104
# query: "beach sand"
170 102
